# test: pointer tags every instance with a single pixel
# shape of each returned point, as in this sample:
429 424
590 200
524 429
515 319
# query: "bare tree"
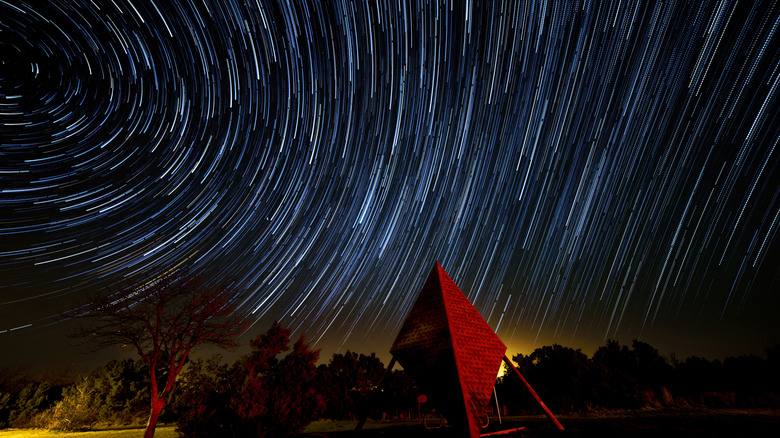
163 319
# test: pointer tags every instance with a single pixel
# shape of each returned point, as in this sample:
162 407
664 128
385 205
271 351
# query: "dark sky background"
582 171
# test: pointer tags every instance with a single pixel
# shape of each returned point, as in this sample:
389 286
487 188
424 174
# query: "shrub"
32 400
114 394
349 382
203 406
262 395
5 409
76 411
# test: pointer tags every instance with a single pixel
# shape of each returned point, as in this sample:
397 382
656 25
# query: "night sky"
582 171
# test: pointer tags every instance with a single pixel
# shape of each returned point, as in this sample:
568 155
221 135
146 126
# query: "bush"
261 396
292 401
32 400
5 409
115 394
560 375
348 382
76 411
203 408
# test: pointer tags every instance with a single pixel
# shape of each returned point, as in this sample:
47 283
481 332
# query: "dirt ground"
655 423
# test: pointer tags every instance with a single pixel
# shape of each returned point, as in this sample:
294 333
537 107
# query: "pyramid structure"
450 352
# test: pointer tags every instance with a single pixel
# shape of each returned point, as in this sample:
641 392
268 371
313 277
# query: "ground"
161 432
646 423
669 423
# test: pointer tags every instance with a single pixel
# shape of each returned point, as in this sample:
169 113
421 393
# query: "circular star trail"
582 170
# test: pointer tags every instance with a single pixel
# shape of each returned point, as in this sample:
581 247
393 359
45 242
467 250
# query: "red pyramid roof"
450 351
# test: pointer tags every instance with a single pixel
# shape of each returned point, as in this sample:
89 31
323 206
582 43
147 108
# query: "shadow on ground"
657 424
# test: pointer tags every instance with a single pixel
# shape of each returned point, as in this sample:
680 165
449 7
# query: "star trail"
582 170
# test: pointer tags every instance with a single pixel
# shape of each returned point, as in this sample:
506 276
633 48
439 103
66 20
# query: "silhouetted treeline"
622 377
277 389
350 383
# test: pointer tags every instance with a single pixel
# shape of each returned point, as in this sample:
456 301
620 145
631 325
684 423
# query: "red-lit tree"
163 319
270 393
278 397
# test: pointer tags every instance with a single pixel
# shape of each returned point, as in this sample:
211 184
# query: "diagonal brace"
533 393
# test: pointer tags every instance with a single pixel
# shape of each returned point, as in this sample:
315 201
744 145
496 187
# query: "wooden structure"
452 354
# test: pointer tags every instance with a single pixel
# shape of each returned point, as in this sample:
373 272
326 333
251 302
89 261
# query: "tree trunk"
157 407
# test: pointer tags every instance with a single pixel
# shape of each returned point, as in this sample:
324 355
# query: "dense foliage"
277 389
113 394
32 399
350 383
261 395
619 377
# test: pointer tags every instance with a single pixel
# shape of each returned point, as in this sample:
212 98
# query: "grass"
162 432
655 423
331 426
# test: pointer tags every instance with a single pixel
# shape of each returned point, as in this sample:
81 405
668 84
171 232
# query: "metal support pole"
498 408
364 416
534 394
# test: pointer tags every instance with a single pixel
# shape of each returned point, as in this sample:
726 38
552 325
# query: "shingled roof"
450 352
